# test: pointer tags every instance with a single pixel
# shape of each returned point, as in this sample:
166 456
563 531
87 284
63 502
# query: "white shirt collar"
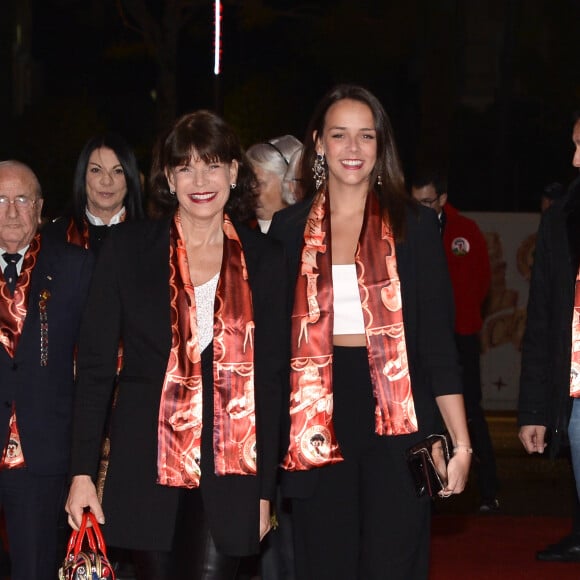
264 225
97 221
21 251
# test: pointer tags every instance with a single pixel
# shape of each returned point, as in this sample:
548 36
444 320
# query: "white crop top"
348 314
204 305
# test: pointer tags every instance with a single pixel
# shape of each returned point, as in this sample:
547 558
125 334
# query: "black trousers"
32 507
363 521
194 555
468 347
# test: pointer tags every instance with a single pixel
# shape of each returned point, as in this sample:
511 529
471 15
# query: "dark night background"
484 88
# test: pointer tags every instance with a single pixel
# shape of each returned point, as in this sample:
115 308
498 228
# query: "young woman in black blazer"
372 351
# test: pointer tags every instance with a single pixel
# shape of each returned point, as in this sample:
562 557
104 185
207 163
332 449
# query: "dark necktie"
10 272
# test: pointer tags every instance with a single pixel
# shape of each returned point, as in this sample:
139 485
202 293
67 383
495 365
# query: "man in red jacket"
469 268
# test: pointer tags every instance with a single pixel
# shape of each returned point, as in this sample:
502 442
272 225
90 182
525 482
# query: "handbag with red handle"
86 557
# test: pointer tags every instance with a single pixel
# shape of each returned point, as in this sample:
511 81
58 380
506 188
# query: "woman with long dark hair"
106 191
372 354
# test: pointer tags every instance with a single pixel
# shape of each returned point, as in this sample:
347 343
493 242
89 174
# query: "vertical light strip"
217 37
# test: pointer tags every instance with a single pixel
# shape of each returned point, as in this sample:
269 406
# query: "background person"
292 190
270 161
42 293
372 347
106 191
196 300
469 268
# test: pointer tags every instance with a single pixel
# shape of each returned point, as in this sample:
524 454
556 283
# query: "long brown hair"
391 191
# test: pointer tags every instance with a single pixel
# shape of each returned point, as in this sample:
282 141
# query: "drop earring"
319 170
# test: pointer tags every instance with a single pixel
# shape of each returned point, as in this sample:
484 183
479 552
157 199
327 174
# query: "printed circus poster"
511 242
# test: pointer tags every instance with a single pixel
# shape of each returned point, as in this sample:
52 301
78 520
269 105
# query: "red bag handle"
96 530
75 544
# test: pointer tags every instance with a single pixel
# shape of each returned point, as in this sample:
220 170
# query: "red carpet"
494 546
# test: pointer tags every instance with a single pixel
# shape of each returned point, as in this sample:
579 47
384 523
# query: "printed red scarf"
312 438
12 316
575 354
76 237
180 412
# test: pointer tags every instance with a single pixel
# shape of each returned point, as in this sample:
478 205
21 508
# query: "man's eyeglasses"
20 201
429 202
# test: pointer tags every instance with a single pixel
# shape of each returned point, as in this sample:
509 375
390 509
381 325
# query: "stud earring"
319 170
379 179
233 185
172 192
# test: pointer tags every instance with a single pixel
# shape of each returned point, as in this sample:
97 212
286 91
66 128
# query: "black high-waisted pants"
363 521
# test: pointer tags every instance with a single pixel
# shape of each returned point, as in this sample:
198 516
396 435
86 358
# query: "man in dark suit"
42 293
549 409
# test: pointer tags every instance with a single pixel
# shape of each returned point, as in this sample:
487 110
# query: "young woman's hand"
457 472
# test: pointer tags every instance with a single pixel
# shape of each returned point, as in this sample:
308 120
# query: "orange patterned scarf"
180 412
76 237
575 355
312 439
13 308
12 316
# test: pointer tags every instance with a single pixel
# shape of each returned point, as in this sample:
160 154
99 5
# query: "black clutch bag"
428 461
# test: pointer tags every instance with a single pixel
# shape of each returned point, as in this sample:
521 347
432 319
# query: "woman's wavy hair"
213 140
133 201
391 192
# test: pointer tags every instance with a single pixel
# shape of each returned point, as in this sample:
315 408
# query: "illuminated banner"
511 241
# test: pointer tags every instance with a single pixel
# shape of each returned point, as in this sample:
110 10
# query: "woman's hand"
265 521
82 494
452 410
457 472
